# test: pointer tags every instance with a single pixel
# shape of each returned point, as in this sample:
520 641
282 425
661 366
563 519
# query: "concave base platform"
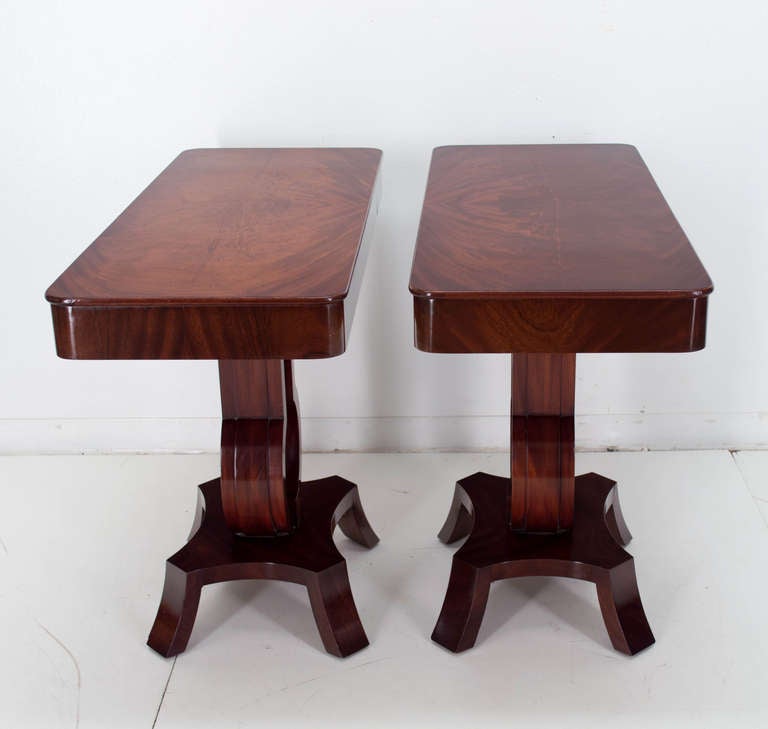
589 551
307 556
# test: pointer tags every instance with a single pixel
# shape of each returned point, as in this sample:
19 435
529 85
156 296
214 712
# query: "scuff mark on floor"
368 663
165 690
295 685
325 675
74 662
2 544
309 698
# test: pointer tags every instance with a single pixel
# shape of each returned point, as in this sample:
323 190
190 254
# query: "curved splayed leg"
335 612
614 519
622 609
259 522
176 615
459 521
463 608
354 523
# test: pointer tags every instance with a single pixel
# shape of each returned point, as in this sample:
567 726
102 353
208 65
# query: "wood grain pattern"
252 257
551 220
260 448
228 254
543 397
245 225
201 332
550 326
591 551
307 556
552 249
258 521
545 251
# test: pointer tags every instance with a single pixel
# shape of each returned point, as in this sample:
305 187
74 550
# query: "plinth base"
307 556
589 551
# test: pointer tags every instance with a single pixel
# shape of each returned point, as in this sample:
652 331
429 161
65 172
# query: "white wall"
98 96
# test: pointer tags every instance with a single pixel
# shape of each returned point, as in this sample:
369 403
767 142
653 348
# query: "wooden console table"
253 257
545 251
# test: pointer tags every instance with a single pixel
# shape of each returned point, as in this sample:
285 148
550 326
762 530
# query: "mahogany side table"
544 251
253 257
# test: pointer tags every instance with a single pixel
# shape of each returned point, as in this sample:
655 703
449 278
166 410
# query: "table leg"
542 521
258 521
543 395
260 446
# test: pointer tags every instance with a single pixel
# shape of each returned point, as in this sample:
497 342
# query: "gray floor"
84 539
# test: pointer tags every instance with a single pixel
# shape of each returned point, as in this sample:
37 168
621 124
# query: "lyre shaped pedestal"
258 521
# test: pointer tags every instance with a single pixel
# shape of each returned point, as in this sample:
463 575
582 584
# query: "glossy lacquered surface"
552 248
244 225
260 446
252 257
259 521
229 253
542 649
543 398
552 220
308 556
561 326
545 251
592 551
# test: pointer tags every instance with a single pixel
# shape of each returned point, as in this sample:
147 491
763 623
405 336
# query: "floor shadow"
580 613
508 597
292 613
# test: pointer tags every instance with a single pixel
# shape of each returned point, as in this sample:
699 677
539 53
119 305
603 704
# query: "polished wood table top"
545 251
542 242
261 243
253 257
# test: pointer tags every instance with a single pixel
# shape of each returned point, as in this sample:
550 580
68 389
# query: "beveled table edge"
644 294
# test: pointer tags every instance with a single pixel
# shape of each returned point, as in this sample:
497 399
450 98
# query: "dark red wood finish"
550 221
227 254
259 521
543 396
545 251
260 446
201 332
252 257
308 556
590 551
553 249
562 326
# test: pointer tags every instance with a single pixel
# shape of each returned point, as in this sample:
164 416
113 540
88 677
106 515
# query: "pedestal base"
589 551
307 556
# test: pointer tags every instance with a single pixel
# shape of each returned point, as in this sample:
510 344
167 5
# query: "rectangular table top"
225 237
505 229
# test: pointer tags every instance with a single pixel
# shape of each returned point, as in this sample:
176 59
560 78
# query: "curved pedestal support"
260 446
307 556
494 551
